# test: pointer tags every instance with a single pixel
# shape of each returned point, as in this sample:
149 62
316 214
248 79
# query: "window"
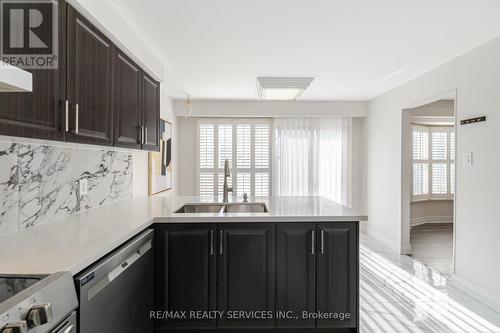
433 163
312 157
246 144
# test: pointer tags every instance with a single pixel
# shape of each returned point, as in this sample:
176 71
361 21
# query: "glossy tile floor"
402 295
432 244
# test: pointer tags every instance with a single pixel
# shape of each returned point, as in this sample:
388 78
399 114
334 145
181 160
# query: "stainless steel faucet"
227 189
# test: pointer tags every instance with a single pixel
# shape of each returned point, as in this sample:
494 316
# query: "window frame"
234 169
449 195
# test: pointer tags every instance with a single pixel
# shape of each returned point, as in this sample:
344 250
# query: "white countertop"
74 242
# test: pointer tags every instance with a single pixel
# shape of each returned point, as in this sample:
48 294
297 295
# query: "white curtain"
312 156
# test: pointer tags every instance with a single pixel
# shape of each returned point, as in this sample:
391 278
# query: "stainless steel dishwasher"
116 294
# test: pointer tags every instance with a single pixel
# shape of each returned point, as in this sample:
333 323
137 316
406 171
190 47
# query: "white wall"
431 211
476 77
187 159
272 109
186 179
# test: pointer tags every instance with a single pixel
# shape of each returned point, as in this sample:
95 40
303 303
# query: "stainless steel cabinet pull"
312 242
142 135
322 241
76 118
145 134
221 234
211 242
66 116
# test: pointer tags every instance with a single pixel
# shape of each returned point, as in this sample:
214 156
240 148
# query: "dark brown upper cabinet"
96 96
150 113
136 106
38 114
127 102
89 82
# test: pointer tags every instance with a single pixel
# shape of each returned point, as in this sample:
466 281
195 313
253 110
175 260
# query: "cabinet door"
337 259
89 81
187 277
246 281
38 114
295 274
126 102
150 113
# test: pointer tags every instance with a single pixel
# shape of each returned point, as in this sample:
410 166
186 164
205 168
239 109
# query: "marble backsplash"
39 183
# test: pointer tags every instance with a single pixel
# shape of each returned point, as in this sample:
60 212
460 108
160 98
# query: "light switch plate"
84 187
467 159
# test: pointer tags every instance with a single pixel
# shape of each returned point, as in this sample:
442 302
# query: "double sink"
219 208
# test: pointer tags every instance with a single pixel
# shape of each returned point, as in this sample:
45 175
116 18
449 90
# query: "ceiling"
355 49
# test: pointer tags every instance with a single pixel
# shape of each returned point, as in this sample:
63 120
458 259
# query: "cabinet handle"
312 241
322 241
76 118
139 134
145 134
211 242
221 234
66 116
142 134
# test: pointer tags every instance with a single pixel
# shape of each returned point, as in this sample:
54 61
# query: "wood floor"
432 244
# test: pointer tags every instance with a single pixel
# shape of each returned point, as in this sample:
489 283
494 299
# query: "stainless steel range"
38 304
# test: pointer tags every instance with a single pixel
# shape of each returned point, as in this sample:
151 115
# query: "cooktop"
13 285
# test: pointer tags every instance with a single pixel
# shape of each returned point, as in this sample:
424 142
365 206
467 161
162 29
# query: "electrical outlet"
84 186
467 159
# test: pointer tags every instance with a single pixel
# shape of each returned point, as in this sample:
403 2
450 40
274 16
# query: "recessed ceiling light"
282 88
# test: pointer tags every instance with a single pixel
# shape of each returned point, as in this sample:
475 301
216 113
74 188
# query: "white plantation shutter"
439 183
433 169
420 179
420 144
206 159
246 144
206 187
262 146
452 163
262 184
452 178
452 146
262 159
420 186
244 183
439 143
206 146
225 144
243 146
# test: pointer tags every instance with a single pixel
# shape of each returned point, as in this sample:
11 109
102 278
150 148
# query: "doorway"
429 144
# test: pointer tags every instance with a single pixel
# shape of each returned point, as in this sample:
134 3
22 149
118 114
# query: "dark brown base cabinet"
96 96
277 271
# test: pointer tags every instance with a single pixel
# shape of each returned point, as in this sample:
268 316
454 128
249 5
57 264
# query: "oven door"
67 326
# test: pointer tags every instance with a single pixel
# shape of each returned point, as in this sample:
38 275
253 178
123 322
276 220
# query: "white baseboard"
395 246
363 225
430 219
476 292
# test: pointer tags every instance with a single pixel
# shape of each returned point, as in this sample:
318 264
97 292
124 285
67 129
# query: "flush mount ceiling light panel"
281 88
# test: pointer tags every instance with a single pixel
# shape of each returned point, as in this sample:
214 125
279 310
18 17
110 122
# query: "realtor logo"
29 33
